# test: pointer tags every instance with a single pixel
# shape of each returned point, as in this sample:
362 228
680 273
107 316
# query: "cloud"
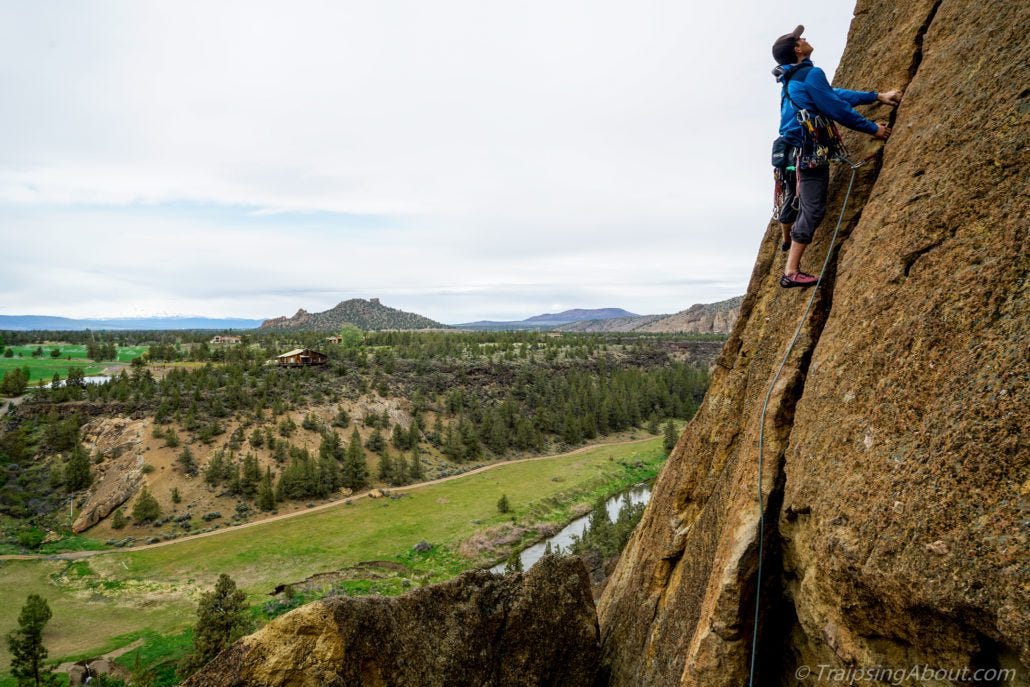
240 158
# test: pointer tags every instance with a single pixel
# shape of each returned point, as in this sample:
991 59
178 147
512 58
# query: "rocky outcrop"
369 315
479 629
119 475
702 318
895 474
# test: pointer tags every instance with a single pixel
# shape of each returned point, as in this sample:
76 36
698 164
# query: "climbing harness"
821 143
768 394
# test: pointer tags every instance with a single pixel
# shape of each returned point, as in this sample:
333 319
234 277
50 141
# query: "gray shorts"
807 211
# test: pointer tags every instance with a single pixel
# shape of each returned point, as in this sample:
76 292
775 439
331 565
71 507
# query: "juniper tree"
387 471
77 473
375 442
669 441
257 438
355 471
266 495
147 509
342 418
221 620
26 645
187 462
250 476
415 469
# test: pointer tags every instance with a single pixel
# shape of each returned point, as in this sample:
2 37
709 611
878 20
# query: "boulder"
537 628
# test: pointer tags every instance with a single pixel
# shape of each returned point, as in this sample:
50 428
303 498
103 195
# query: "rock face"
479 629
120 475
707 318
895 475
700 318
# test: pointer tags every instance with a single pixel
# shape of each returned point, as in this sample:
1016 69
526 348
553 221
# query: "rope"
765 407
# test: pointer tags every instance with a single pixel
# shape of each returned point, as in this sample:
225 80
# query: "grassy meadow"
71 356
106 601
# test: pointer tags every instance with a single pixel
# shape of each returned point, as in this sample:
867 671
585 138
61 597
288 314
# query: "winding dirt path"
77 555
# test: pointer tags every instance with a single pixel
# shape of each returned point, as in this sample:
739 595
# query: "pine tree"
399 437
250 476
375 442
669 441
266 495
26 645
176 496
387 472
118 521
331 447
503 506
415 469
214 473
221 620
355 471
77 474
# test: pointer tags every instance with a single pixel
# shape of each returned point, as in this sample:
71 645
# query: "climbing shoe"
800 279
785 246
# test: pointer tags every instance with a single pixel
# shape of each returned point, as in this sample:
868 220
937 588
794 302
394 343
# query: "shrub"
31 538
187 462
147 509
503 506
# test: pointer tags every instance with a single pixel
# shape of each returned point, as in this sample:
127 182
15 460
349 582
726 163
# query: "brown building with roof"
301 356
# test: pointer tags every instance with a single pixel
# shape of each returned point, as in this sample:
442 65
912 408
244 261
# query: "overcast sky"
463 160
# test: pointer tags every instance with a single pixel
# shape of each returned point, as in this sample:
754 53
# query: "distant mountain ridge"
368 315
581 314
550 320
700 318
22 323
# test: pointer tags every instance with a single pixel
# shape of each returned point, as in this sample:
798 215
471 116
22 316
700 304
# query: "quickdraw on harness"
821 144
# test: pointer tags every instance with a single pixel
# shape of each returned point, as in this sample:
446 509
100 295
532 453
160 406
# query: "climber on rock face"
806 91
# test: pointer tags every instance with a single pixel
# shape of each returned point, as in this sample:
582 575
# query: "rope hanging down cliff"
765 407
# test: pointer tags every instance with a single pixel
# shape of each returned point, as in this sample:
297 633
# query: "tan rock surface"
702 318
119 475
895 465
479 629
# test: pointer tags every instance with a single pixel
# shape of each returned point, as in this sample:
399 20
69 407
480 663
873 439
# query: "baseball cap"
783 48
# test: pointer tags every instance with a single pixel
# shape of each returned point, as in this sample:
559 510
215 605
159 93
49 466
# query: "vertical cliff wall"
895 478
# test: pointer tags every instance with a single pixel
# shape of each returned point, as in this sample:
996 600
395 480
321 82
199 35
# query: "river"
639 493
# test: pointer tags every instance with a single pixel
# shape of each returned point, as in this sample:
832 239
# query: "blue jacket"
811 91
